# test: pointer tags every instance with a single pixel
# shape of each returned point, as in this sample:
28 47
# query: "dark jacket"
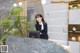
43 32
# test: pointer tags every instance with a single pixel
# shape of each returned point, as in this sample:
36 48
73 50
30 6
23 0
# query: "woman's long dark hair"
39 15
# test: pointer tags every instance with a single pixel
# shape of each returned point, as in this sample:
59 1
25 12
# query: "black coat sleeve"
37 27
45 28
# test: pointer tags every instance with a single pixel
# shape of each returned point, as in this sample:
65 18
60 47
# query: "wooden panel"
72 33
76 26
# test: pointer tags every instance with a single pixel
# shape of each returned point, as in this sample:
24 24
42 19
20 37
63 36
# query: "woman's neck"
40 23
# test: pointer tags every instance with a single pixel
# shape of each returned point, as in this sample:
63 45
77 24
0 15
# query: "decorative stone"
31 45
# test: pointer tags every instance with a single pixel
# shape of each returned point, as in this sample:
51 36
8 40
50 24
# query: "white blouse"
42 27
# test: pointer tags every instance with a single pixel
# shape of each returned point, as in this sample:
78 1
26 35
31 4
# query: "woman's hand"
40 33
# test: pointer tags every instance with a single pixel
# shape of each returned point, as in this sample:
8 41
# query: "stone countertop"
28 45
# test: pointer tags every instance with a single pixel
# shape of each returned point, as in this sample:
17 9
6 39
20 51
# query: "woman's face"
39 19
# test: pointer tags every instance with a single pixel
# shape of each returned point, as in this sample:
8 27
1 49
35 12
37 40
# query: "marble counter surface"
28 45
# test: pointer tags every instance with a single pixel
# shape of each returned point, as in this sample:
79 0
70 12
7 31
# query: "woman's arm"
36 27
45 28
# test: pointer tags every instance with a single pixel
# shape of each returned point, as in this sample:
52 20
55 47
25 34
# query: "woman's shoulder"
45 23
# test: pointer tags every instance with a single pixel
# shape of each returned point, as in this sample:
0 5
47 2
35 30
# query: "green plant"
12 23
30 25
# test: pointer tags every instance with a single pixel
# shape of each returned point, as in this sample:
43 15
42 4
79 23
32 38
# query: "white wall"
56 16
75 47
74 16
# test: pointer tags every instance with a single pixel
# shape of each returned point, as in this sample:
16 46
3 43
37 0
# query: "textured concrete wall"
5 6
38 7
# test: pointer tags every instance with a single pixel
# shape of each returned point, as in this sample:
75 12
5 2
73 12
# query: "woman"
41 26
